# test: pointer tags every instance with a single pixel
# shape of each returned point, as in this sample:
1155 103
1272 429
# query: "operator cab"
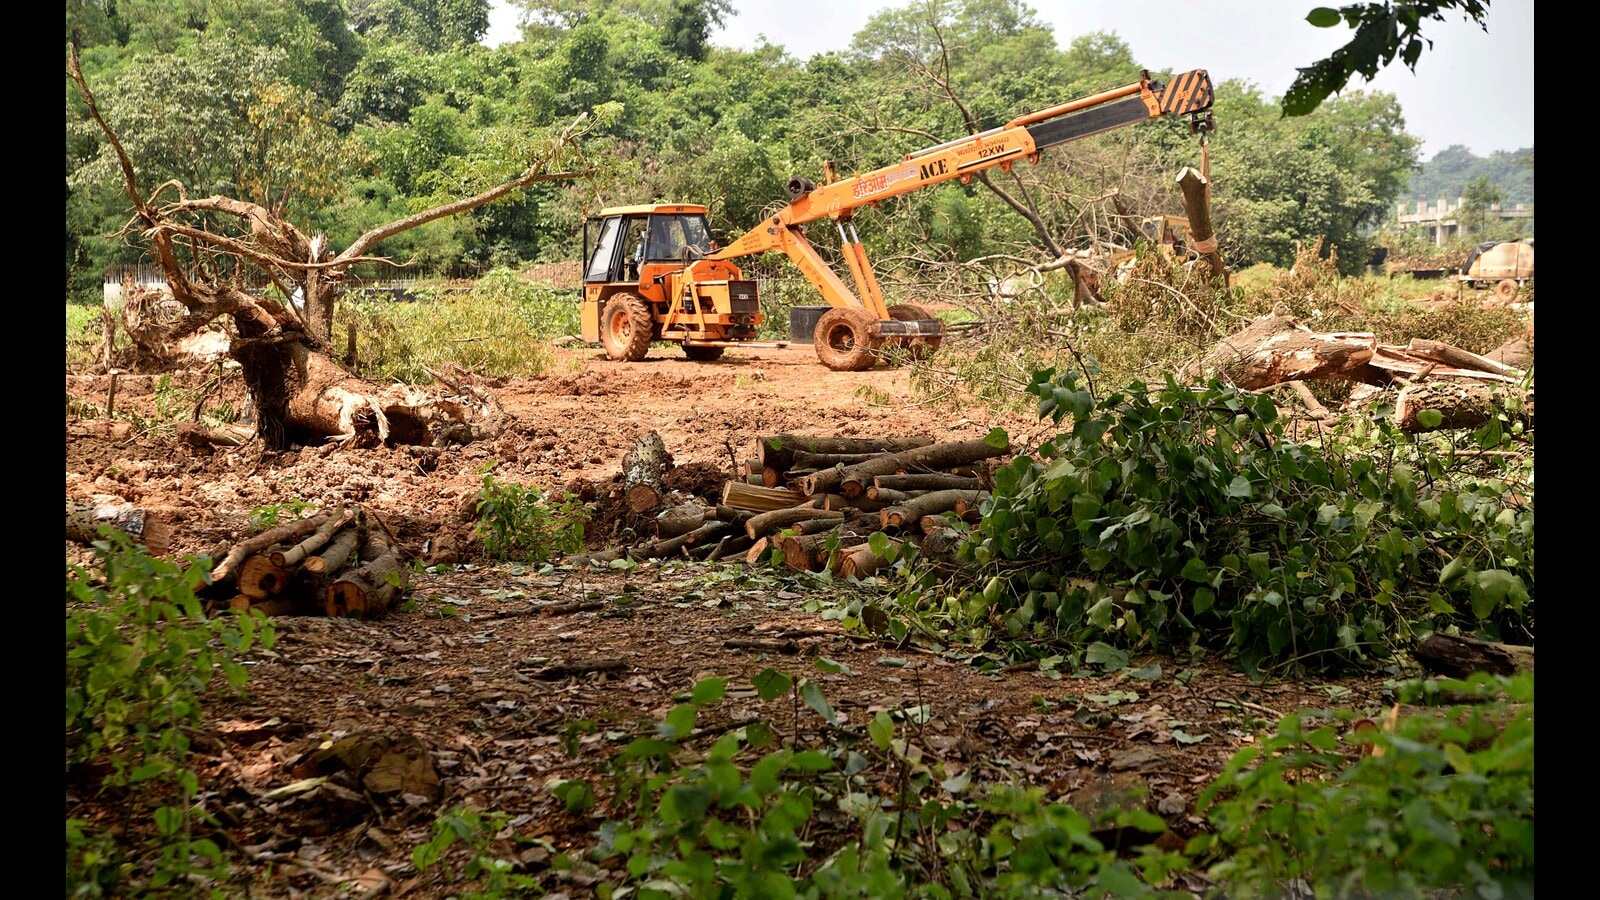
625 239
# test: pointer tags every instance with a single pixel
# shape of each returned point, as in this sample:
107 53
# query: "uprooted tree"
204 245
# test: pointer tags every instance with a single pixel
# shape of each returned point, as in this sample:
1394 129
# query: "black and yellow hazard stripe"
1186 93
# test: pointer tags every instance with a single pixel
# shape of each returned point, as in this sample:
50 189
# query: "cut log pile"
339 563
1466 389
814 491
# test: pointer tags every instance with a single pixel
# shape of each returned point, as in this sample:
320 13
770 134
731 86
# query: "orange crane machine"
653 272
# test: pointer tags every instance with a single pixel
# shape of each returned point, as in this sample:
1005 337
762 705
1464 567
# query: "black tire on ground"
702 354
920 347
625 326
844 340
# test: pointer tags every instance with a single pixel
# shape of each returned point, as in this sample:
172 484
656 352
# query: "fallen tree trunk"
804 460
663 549
1454 656
259 577
860 561
1275 349
338 552
1460 404
679 520
1455 357
84 520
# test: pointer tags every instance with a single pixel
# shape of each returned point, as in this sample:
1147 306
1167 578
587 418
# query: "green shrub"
141 655
1443 808
501 326
1175 518
517 522
84 334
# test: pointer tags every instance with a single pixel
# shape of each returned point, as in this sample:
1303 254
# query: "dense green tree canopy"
345 113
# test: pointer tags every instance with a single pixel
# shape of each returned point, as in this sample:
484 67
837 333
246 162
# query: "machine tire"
703 354
844 340
625 328
1506 290
920 347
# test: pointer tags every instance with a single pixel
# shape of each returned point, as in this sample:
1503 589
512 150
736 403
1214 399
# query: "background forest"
340 114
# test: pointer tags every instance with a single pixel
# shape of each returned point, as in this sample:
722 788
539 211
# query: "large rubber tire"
844 340
1506 290
920 347
625 327
703 354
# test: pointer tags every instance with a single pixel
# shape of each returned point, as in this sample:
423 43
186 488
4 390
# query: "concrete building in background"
1440 220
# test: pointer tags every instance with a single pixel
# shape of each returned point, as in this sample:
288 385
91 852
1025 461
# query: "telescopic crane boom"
860 320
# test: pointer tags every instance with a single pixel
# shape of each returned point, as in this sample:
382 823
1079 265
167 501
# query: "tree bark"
84 520
759 499
293 531
1197 206
1275 349
927 481
1458 657
852 481
911 512
768 522
1460 404
642 467
777 451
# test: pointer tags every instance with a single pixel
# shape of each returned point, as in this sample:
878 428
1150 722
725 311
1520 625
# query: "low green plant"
1442 805
141 655
865 811
84 334
518 522
501 325
491 865
273 514
1172 519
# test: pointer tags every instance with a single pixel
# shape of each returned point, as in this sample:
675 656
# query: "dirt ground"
450 686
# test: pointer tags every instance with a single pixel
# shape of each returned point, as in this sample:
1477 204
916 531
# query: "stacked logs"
821 490
905 488
332 563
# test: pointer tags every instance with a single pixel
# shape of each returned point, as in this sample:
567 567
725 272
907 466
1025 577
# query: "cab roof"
651 208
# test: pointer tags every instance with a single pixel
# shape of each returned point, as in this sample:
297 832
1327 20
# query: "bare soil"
448 689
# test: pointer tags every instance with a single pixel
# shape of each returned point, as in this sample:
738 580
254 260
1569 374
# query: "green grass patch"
501 326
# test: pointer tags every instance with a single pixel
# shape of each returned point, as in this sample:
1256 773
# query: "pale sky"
1471 88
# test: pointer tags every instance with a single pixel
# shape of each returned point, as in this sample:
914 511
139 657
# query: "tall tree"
1479 196
202 243
428 25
